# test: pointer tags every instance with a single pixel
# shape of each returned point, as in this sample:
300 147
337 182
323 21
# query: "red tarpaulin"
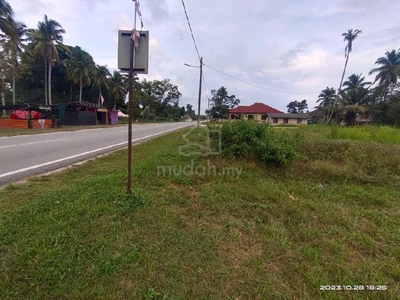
23 114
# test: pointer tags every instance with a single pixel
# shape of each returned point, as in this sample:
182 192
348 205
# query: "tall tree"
47 38
221 102
353 95
6 20
100 78
389 70
326 101
6 30
190 112
14 46
349 38
117 87
80 66
297 107
161 96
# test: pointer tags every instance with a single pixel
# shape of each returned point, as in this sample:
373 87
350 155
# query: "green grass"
380 134
331 217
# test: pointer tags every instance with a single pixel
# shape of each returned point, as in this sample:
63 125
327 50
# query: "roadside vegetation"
38 68
329 216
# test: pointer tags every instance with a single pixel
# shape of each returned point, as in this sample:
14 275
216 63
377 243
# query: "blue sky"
286 45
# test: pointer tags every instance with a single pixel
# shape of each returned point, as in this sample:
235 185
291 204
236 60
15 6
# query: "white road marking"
33 143
82 154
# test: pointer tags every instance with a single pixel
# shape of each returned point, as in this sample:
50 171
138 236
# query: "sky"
286 49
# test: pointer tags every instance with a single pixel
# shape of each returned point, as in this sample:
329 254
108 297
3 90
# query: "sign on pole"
141 63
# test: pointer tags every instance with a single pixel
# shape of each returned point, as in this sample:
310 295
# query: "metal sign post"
130 121
134 44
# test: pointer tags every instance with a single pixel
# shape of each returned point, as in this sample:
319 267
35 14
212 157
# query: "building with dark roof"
262 112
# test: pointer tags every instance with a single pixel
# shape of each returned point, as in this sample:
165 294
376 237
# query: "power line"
190 28
259 86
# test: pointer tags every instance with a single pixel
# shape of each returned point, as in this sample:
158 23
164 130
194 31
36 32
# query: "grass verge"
192 230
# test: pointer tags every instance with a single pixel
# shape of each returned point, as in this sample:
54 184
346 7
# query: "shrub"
246 138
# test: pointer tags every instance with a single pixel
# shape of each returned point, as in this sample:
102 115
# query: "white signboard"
141 64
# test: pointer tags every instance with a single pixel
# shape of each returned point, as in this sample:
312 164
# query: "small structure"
265 113
25 116
102 116
113 117
282 118
78 113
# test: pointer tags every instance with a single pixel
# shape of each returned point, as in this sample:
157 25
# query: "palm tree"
6 20
327 99
117 87
15 47
356 89
6 30
389 71
80 67
349 37
47 38
353 97
100 78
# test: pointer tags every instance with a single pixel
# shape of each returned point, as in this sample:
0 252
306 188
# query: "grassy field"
208 227
381 134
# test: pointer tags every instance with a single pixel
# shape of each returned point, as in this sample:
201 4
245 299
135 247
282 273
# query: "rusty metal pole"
130 112
130 107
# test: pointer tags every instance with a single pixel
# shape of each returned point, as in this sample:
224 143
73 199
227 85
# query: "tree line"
36 67
356 99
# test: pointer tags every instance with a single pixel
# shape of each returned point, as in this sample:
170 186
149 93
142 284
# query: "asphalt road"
26 155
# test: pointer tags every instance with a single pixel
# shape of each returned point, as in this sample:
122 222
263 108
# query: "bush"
246 138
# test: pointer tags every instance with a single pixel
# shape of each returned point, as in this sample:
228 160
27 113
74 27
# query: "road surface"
26 155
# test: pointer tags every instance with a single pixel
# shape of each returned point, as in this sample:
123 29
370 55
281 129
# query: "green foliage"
297 107
221 102
80 68
381 134
130 203
260 141
274 233
389 69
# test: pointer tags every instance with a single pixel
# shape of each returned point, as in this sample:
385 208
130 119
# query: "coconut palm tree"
100 78
327 99
353 97
6 30
349 37
117 87
389 70
47 38
14 45
6 20
80 66
355 89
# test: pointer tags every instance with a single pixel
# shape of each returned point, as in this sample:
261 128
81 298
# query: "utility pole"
199 104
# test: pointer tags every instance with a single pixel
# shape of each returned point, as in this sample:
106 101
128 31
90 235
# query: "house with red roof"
262 112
